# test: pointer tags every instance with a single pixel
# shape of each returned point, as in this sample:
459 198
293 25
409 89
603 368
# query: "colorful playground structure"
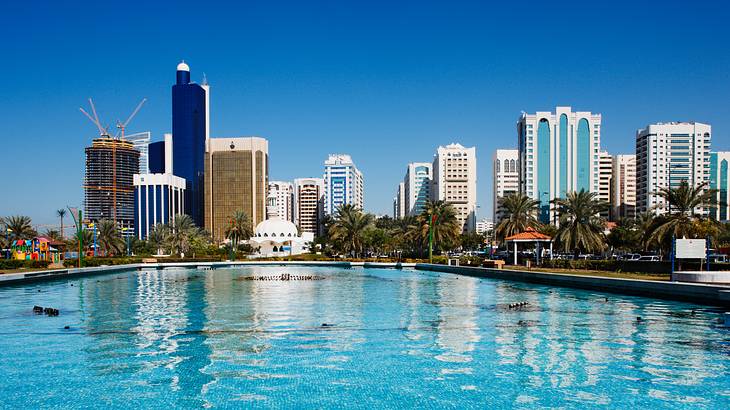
37 249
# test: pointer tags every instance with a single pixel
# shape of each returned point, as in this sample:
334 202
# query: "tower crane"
95 118
123 126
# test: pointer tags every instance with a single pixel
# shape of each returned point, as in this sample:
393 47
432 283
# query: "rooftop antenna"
205 79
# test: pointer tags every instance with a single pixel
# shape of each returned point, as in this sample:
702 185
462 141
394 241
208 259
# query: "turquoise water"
395 339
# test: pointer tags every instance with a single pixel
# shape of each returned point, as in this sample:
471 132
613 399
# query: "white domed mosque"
277 237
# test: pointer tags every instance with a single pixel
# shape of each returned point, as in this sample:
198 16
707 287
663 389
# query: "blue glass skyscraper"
189 131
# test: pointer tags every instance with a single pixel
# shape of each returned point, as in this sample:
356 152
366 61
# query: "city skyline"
328 96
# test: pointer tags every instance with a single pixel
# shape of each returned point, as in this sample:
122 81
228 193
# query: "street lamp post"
7 242
126 238
93 226
79 232
234 241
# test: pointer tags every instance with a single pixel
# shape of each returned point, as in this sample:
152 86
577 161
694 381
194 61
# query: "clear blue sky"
384 82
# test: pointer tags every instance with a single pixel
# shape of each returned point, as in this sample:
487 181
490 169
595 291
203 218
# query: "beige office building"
308 204
623 187
605 175
236 178
455 182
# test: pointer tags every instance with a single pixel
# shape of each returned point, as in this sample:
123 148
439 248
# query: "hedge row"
23 264
609 265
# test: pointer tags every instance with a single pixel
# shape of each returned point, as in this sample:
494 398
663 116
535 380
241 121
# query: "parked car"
565 256
503 255
631 257
718 258
650 258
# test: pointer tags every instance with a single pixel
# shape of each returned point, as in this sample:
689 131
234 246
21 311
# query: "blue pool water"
398 339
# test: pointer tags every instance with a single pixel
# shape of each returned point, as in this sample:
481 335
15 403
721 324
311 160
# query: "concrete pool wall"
67 273
692 292
707 294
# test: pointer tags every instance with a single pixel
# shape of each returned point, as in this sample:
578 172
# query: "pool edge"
705 294
8 279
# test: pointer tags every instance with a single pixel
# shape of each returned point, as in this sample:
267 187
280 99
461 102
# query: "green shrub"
607 265
470 260
23 264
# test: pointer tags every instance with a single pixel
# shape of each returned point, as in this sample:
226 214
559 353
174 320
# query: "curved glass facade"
584 156
543 168
563 171
723 190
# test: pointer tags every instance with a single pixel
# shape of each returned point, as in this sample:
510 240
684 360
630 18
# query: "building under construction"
109 181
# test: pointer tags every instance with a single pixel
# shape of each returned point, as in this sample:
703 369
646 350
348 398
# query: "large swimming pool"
357 338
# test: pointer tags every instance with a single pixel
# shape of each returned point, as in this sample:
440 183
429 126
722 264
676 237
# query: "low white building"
277 237
158 198
484 226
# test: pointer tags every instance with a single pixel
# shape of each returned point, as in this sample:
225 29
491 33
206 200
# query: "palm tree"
20 227
61 213
181 231
4 238
347 231
580 225
240 227
644 222
519 212
52 234
684 217
108 238
88 239
438 220
157 237
407 233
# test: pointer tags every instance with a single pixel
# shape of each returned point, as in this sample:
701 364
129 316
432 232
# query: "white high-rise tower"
666 155
559 153
343 183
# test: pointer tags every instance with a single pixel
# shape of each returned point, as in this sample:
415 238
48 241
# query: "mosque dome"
276 229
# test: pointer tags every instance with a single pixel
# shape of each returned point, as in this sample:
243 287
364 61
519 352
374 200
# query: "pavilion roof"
529 235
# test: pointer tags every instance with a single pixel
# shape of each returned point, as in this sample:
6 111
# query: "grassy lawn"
606 274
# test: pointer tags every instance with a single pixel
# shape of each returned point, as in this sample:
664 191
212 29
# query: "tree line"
354 233
581 229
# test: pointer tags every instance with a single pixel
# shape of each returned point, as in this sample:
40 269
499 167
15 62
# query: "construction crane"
95 119
123 126
104 133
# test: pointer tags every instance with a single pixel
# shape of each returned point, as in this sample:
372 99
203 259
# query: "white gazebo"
277 237
529 236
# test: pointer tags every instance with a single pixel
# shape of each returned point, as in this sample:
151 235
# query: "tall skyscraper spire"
189 132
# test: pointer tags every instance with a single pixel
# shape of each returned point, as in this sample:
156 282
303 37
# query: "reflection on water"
358 338
457 327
